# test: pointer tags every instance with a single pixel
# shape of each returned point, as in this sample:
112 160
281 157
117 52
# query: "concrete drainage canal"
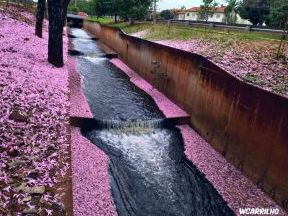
149 173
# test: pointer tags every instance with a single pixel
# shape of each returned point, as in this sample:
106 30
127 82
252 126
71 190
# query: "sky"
168 4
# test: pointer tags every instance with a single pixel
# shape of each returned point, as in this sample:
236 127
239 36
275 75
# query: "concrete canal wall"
247 125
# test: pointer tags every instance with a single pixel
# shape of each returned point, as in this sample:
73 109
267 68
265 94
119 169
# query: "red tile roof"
180 12
194 9
197 9
221 9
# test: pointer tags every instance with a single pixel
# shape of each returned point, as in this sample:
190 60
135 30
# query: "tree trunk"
7 3
41 7
283 37
55 43
115 18
46 10
132 21
154 11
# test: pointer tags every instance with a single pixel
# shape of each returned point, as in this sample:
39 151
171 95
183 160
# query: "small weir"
149 173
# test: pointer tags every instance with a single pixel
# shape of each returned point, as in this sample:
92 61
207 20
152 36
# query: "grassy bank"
100 20
164 32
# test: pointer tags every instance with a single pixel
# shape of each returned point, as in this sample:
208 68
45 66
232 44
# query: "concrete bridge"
75 20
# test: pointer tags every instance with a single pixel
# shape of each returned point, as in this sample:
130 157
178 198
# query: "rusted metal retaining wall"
246 124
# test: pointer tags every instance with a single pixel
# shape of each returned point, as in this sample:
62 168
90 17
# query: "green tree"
114 8
256 11
166 14
87 6
102 8
207 9
134 9
127 9
278 13
107 7
183 7
231 11
73 8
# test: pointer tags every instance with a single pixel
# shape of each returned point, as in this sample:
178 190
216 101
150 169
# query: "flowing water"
109 92
149 173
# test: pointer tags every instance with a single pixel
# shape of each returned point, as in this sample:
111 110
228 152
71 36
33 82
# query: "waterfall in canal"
151 176
114 124
149 173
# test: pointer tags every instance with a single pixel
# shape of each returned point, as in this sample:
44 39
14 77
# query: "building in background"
218 16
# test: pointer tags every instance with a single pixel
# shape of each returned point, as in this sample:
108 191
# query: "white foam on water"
80 33
116 124
95 59
147 150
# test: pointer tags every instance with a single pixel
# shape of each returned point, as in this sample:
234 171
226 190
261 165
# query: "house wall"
180 16
246 124
217 17
191 16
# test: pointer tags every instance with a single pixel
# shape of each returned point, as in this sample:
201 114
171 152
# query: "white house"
218 16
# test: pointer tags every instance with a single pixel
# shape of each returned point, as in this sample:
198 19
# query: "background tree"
103 8
154 10
278 13
280 52
166 14
183 7
127 9
231 11
74 8
256 11
134 9
207 9
87 6
7 3
41 7
114 8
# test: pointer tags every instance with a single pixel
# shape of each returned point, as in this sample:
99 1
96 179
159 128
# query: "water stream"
149 173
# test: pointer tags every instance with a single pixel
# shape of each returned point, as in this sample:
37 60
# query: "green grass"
164 32
279 89
127 28
100 20
253 78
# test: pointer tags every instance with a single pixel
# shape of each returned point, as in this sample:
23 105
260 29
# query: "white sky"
169 4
